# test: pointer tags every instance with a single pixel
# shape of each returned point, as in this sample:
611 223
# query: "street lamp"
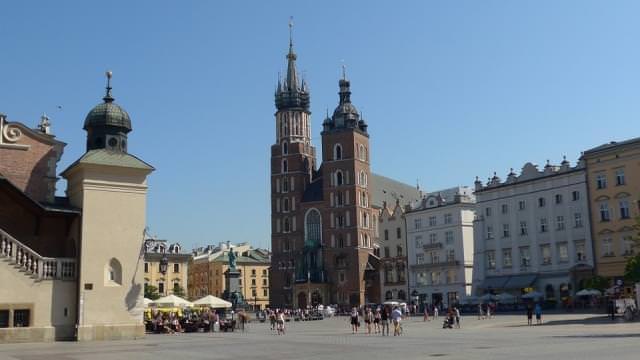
164 262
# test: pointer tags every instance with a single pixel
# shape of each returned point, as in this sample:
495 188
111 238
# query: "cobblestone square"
562 336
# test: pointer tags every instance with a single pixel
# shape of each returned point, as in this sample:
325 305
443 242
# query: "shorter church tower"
346 173
110 186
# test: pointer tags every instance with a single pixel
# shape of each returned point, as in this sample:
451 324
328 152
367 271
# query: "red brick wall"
31 170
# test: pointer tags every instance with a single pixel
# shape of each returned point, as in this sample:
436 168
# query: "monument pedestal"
232 291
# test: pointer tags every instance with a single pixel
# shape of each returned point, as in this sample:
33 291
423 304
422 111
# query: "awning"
520 281
496 282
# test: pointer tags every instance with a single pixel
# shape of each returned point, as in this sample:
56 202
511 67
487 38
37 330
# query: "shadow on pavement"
601 336
594 320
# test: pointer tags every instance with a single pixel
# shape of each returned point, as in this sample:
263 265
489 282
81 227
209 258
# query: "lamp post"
164 262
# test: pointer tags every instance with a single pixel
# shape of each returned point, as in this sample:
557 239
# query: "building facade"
174 278
613 178
322 219
207 268
393 253
74 262
440 246
532 232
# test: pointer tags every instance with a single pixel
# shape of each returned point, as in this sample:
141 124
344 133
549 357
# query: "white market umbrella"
172 301
392 303
147 302
594 292
506 298
532 295
213 302
583 292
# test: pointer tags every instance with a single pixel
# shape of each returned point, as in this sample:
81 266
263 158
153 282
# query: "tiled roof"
612 145
111 158
385 189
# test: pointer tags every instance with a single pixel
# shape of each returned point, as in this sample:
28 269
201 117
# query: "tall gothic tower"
292 168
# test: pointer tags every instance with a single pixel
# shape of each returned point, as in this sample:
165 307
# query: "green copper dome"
108 114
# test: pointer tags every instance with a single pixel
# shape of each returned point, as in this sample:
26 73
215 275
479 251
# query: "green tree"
151 292
178 290
632 269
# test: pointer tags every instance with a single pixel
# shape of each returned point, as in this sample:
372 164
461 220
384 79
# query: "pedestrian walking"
538 311
368 319
480 312
396 316
426 313
457 314
376 321
384 321
355 320
280 322
612 309
529 315
435 312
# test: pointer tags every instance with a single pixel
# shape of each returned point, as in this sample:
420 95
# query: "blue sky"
450 89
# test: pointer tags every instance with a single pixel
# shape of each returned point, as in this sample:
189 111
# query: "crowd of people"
192 320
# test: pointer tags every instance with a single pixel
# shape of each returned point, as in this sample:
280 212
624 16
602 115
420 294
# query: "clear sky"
450 89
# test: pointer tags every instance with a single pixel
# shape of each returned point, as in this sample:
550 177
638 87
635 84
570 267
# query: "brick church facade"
324 224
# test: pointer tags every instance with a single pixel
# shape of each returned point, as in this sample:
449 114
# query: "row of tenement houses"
546 229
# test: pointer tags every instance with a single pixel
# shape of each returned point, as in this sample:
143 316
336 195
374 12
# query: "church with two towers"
324 216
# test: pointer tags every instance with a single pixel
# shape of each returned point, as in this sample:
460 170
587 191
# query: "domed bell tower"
107 124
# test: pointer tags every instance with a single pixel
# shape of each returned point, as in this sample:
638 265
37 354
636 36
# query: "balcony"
432 246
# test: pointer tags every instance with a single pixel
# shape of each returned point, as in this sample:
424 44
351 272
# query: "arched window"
337 152
286 225
285 166
363 179
340 241
365 220
113 273
339 178
399 250
388 295
285 185
364 201
312 228
285 148
285 205
362 151
402 295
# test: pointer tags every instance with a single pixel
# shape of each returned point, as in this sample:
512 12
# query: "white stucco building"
532 232
440 246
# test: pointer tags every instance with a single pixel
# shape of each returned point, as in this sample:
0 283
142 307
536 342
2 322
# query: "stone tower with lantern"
110 186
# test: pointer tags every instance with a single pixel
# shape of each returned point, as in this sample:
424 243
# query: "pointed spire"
108 98
292 76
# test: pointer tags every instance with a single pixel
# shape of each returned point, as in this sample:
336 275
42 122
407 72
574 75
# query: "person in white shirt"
396 317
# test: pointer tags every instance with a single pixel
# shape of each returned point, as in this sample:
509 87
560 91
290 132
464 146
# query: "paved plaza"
563 336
